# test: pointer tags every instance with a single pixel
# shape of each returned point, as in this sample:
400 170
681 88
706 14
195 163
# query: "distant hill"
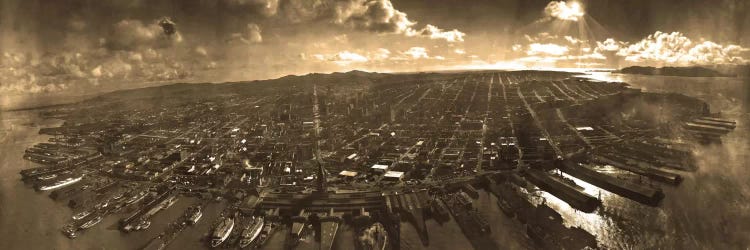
695 71
343 80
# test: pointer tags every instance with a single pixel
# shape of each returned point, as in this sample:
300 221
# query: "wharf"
655 174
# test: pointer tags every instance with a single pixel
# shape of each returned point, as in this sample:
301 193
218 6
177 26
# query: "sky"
70 46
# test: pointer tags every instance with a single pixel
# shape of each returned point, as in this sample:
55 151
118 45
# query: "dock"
329 226
652 173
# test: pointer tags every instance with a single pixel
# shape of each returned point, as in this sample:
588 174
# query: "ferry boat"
193 214
91 223
61 183
251 232
222 231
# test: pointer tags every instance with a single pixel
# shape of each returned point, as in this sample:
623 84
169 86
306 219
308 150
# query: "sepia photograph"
375 124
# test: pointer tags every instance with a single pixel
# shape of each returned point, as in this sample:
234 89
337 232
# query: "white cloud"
200 50
459 51
677 49
416 53
572 40
342 58
380 54
436 33
372 15
609 45
546 49
254 33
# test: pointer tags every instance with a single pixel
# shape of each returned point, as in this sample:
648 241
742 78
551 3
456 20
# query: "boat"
61 183
222 231
268 229
439 210
118 196
136 198
81 215
373 238
143 225
69 230
505 207
193 214
46 177
251 231
91 223
169 202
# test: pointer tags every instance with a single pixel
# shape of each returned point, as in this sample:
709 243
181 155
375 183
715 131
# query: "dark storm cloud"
131 34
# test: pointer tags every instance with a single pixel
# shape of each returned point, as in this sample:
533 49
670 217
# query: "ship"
91 222
505 207
46 177
81 215
193 214
137 197
222 231
169 202
142 225
60 183
70 230
373 238
251 231
268 228
440 211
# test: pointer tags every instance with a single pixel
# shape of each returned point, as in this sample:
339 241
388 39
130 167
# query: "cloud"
564 11
546 49
572 40
200 50
435 33
343 58
416 53
609 45
254 33
378 16
263 7
459 51
131 34
379 57
677 49
251 35
380 54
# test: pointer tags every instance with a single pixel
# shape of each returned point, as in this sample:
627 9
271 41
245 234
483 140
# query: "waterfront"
685 220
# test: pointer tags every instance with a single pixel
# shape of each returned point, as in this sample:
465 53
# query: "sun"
569 11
